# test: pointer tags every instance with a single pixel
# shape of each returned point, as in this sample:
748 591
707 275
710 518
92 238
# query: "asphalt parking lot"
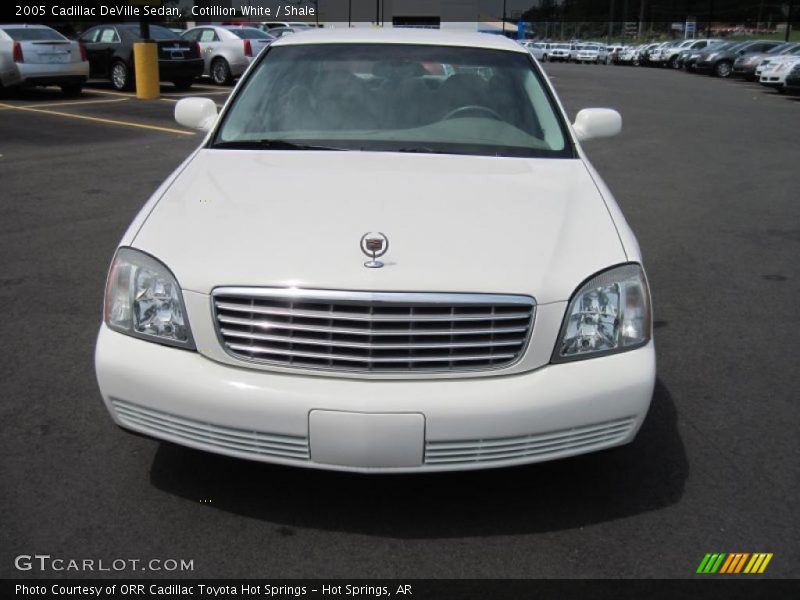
706 173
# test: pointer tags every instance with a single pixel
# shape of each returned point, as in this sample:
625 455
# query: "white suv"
452 287
561 52
591 53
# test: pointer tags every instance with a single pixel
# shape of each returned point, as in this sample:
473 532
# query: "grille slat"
498 449
365 345
250 442
373 331
345 316
267 324
368 357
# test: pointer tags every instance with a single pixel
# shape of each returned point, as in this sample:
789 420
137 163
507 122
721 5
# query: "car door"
89 40
209 45
101 51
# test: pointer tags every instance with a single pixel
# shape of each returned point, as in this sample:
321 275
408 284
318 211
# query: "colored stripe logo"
734 563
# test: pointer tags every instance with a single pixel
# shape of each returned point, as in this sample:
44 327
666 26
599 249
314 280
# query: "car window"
157 32
192 35
27 34
109 36
250 33
209 35
381 97
90 36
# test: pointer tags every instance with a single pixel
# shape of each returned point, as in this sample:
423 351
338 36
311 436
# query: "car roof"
401 36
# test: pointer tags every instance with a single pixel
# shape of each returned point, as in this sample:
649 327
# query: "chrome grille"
373 331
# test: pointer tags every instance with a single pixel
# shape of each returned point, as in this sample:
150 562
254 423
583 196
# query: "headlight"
143 299
609 313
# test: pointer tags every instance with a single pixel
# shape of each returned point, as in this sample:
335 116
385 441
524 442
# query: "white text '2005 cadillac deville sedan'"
389 254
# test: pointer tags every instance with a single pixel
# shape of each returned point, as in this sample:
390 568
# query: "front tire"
723 69
221 72
121 76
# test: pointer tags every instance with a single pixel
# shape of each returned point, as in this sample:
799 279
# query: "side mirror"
593 123
196 113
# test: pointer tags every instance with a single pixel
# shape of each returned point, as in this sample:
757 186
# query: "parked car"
110 51
771 60
774 75
655 56
297 25
792 83
282 31
612 53
277 343
34 55
539 50
591 53
629 56
227 50
719 61
560 52
745 65
689 54
670 53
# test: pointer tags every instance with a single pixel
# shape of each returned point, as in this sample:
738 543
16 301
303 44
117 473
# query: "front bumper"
770 80
374 425
744 70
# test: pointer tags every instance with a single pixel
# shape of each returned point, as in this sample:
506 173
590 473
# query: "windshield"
396 97
718 46
249 33
780 48
734 47
25 34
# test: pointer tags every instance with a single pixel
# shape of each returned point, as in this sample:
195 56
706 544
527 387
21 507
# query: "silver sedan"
228 50
33 55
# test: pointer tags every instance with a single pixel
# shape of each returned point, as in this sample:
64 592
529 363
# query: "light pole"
789 20
504 17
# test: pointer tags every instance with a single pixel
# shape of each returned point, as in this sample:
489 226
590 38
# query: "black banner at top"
744 13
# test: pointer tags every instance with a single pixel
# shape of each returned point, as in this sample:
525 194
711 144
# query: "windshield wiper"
424 150
267 144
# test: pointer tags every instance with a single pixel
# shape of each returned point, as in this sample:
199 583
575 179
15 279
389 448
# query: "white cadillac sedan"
452 286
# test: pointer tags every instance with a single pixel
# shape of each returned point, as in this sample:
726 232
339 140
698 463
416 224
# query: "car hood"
454 223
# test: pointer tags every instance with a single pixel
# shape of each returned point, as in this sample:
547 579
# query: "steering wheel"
472 108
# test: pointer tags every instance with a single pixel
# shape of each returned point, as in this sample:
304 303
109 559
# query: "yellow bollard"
145 61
